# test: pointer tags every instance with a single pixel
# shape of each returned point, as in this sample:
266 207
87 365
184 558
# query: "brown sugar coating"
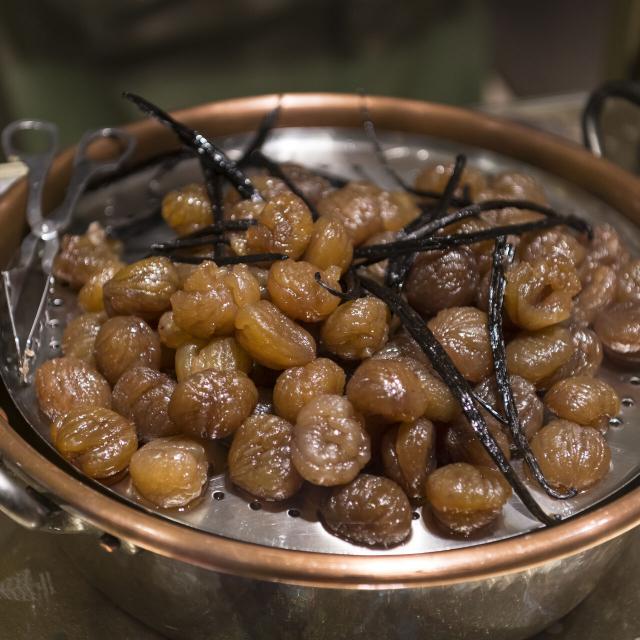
294 290
212 404
284 226
463 333
387 388
142 395
65 383
142 289
169 472
434 177
571 456
540 294
91 294
465 498
597 294
97 440
442 279
409 455
187 209
619 331
79 336
584 400
272 338
124 342
298 385
357 207
260 458
370 511
537 355
330 445
211 298
356 329
222 354
80 257
330 245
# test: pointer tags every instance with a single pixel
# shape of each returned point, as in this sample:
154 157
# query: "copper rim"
616 187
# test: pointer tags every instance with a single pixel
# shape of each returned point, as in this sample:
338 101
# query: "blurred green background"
68 60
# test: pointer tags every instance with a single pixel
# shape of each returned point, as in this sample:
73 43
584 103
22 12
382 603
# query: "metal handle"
84 169
38 163
591 127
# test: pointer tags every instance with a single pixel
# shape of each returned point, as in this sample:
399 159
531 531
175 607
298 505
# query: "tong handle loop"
37 163
85 168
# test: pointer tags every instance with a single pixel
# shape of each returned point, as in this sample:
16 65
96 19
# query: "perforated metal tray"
293 524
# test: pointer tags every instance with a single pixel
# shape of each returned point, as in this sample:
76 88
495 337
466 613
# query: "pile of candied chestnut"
300 385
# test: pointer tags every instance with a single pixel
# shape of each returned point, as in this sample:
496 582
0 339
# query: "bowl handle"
591 129
31 509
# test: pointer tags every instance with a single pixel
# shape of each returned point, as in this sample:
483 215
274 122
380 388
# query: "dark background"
68 60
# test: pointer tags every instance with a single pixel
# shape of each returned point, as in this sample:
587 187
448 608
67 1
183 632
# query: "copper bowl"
193 584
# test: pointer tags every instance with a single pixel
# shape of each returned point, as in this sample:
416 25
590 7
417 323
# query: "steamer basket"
223 570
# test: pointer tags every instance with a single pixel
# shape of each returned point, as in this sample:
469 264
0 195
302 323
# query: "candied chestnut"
91 295
465 498
408 455
463 333
222 354
187 209
65 383
212 404
294 289
587 401
481 250
540 294
142 289
80 257
330 245
330 445
463 445
79 336
537 355
397 209
260 458
571 456
169 472
171 335
97 440
284 226
298 385
550 244
357 207
597 294
124 342
142 395
605 248
619 330
512 185
585 360
211 298
434 177
313 186
441 279
628 284
272 338
356 329
387 388
370 511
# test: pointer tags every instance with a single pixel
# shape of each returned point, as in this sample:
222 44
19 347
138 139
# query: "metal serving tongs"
43 240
